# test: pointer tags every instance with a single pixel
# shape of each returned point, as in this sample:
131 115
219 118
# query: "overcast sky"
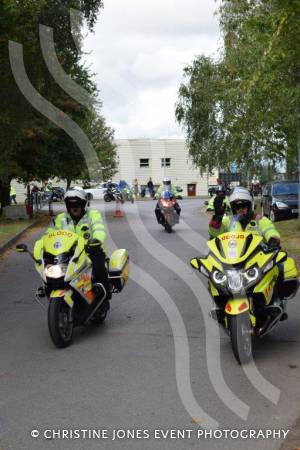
138 52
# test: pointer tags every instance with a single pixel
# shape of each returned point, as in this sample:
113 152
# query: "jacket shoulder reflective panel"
258 225
92 219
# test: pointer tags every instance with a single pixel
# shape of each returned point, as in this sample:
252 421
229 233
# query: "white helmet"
167 181
240 189
75 196
240 195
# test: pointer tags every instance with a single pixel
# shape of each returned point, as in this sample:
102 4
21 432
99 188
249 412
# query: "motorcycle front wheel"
168 228
60 322
241 334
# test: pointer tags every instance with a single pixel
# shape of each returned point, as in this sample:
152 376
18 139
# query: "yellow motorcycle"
66 271
250 283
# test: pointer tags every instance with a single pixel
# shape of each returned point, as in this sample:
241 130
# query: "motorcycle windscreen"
59 241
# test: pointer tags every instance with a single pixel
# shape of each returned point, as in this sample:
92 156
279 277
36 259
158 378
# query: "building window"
144 162
165 162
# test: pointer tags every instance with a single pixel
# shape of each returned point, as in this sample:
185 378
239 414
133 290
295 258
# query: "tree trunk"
4 194
68 184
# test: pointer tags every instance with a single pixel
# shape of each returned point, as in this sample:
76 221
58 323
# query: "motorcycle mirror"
21 248
194 263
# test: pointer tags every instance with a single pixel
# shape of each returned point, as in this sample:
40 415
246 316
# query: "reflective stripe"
98 227
268 229
98 222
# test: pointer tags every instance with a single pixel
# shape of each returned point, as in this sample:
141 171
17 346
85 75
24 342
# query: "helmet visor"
241 204
74 203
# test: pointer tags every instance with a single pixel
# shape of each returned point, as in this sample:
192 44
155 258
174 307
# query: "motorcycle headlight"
251 274
219 277
234 280
55 271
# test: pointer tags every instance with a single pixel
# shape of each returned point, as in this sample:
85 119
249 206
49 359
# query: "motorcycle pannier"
118 269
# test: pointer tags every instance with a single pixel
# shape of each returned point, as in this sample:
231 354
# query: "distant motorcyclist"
243 218
123 185
78 217
109 184
220 194
166 186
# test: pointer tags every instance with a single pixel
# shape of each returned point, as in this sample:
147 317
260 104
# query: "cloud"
138 51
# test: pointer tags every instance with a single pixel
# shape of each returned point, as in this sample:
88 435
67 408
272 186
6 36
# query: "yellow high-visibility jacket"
92 219
211 207
258 225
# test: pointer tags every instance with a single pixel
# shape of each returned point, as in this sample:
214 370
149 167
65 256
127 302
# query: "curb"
15 238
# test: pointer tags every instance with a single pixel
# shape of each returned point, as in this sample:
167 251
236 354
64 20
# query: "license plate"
294 211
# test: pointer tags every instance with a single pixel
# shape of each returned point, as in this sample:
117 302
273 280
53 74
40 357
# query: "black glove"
274 244
93 246
219 208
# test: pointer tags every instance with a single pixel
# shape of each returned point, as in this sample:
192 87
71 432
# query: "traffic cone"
118 211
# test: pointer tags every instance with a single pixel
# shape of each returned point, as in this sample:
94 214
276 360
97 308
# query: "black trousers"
100 275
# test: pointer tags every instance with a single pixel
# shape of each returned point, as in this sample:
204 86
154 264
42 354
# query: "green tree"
256 100
30 145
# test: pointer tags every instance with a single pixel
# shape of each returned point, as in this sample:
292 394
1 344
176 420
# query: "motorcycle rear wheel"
101 314
59 323
241 337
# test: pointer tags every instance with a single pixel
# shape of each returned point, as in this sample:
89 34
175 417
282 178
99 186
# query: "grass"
289 231
290 236
9 228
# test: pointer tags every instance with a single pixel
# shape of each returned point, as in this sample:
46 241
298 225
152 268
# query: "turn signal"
243 306
228 307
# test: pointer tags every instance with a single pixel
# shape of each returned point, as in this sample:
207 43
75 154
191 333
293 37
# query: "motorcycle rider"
77 217
166 186
243 218
221 193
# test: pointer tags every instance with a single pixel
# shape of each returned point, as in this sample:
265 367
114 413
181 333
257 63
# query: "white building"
159 158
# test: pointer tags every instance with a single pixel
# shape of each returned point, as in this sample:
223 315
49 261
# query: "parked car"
97 192
280 200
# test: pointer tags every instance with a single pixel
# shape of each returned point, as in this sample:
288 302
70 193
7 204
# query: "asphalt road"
154 365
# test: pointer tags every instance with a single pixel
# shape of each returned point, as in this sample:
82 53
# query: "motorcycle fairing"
209 263
267 283
57 242
234 248
260 259
83 285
